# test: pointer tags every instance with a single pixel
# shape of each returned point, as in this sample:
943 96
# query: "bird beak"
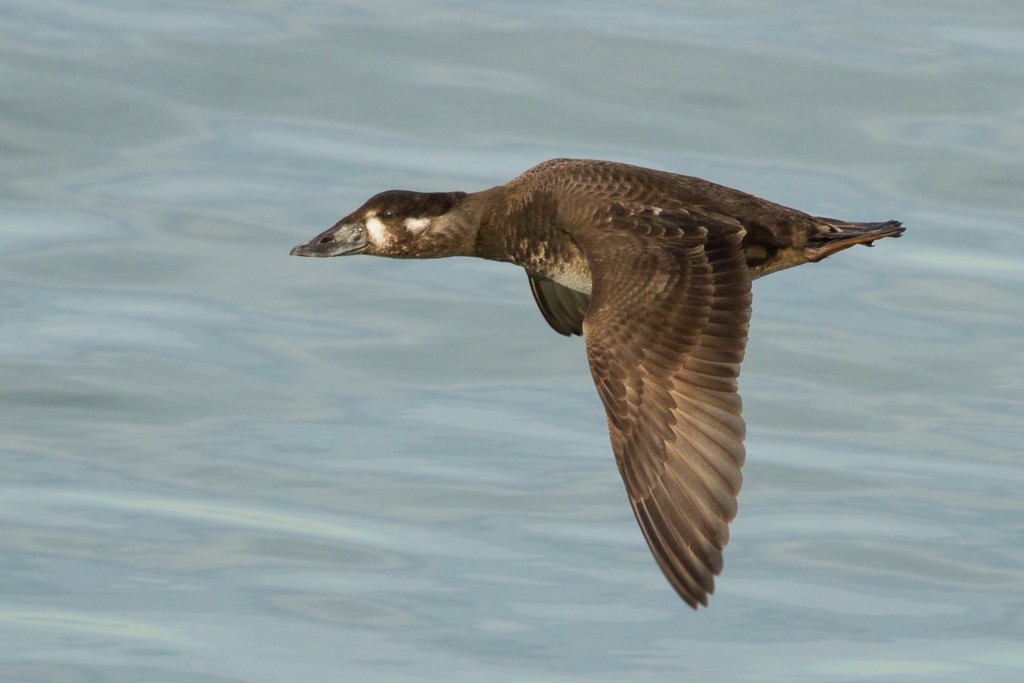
342 239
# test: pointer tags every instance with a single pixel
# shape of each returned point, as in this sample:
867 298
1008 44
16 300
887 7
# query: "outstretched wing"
665 334
562 307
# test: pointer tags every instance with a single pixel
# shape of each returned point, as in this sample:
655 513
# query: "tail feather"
843 235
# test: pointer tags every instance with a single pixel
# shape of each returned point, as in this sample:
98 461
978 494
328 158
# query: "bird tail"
843 235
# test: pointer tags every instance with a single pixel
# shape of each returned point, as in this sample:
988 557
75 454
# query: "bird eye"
387 213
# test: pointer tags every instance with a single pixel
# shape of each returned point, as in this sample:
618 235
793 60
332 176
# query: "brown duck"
654 270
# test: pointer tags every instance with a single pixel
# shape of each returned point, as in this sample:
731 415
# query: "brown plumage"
654 269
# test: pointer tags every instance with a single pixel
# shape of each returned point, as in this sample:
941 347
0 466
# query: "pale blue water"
219 463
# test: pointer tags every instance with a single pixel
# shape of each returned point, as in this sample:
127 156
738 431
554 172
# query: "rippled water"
218 463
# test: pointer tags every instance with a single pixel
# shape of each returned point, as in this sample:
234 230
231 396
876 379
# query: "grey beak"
342 239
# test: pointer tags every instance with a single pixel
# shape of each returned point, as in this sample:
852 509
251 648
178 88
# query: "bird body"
654 269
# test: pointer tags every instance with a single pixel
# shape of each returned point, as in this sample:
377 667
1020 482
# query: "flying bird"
654 269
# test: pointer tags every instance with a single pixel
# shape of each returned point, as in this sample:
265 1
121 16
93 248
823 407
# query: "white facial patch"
377 231
417 224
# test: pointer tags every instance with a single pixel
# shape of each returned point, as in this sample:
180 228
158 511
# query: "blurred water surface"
218 463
